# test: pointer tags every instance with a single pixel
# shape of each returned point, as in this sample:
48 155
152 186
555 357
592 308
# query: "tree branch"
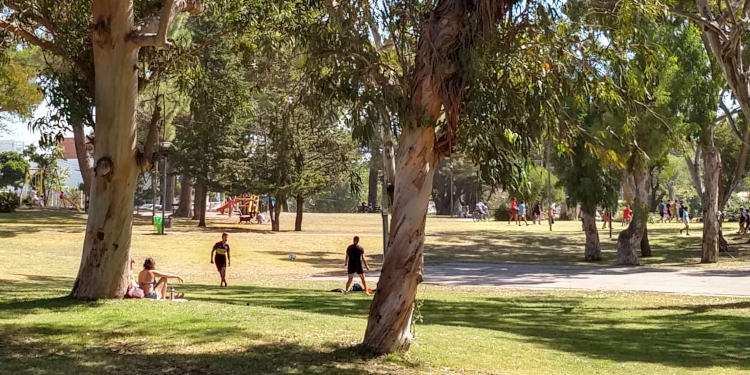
701 21
152 31
145 161
29 37
728 114
143 83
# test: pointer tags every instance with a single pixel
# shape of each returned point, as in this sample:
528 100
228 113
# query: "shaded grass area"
283 330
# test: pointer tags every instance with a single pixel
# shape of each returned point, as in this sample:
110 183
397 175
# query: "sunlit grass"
271 320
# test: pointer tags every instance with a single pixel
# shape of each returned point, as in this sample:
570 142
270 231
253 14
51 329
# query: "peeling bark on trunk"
446 35
629 240
593 251
389 165
389 325
82 155
300 212
186 195
106 247
712 173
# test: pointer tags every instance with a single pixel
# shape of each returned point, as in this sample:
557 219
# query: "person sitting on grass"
686 220
151 287
355 258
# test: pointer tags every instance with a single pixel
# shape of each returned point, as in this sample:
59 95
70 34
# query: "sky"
18 129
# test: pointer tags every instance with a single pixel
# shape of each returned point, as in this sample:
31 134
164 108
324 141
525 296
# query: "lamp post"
165 145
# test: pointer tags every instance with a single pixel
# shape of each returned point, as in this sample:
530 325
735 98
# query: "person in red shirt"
514 212
222 259
627 215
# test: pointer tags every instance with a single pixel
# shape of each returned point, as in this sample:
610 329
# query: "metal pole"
154 180
452 207
384 211
549 186
164 197
610 223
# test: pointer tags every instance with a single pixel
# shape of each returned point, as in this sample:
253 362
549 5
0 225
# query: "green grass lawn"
270 320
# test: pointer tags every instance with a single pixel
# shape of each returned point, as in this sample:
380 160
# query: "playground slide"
224 207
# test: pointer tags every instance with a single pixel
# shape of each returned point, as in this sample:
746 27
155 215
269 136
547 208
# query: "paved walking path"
731 282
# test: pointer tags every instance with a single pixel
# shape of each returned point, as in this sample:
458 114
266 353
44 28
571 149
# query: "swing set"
35 178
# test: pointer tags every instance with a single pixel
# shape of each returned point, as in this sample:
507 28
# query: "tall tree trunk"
106 247
271 210
275 225
712 173
593 251
186 195
389 164
82 155
372 182
628 186
645 245
300 211
447 35
629 240
201 191
389 325
695 172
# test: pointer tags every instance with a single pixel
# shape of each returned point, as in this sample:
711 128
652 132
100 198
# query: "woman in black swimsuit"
147 280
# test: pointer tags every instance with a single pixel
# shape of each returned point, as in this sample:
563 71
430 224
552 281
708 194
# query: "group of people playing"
520 211
152 283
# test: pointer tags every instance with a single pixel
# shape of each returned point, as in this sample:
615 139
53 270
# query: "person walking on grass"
513 211
627 214
522 213
685 219
662 207
537 212
355 258
221 258
742 220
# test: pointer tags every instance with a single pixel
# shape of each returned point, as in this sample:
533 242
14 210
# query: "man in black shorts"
222 258
355 258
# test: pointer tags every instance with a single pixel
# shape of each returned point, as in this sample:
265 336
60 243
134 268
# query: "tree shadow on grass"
691 336
129 357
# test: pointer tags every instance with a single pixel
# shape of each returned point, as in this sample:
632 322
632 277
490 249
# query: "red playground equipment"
245 206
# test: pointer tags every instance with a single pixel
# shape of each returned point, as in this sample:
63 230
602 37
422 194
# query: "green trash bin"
158 223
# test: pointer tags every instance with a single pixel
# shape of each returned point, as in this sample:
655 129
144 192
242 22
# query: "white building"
11 145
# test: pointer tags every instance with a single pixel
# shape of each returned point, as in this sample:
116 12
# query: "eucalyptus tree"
443 63
104 46
696 92
590 182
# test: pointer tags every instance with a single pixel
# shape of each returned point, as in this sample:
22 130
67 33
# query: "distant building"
69 162
11 145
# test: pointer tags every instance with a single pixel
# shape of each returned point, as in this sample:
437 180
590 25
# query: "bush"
8 202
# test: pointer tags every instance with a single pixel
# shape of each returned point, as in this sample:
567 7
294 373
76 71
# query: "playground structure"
50 198
247 207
